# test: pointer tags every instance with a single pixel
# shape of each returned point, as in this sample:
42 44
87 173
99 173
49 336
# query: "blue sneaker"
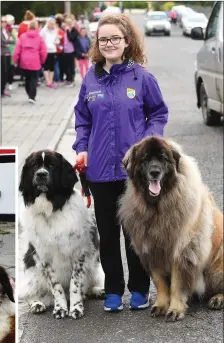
139 301
113 303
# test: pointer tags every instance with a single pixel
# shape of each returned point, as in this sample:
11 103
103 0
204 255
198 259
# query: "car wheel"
167 33
210 117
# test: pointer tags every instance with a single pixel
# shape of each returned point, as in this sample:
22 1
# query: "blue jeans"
56 72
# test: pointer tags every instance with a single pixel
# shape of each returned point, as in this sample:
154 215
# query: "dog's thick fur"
7 309
177 233
59 242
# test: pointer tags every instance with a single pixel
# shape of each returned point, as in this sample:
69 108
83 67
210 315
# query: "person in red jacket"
30 53
24 26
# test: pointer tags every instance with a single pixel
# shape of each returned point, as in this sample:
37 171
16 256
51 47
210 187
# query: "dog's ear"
68 175
128 161
5 284
24 174
176 157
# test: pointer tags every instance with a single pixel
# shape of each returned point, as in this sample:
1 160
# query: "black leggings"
105 201
50 62
69 66
31 83
5 65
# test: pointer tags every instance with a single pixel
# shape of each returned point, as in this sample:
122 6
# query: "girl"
119 103
30 52
82 49
50 36
71 35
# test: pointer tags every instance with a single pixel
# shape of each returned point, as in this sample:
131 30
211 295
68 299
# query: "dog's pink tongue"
154 187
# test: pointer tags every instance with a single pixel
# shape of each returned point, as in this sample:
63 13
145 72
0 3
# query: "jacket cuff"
79 148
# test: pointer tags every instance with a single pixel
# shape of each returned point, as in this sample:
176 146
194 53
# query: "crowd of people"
54 50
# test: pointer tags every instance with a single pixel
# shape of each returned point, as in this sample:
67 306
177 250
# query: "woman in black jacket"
5 55
71 35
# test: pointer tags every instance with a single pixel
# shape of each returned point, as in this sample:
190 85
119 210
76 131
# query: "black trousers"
31 82
105 201
11 74
69 66
5 65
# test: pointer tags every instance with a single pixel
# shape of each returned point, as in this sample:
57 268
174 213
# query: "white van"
209 67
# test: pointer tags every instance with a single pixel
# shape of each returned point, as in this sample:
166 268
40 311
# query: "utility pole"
67 6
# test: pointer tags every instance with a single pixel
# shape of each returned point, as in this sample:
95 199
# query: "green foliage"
168 5
133 4
44 8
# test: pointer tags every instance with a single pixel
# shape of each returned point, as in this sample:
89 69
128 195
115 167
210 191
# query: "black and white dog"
7 308
59 242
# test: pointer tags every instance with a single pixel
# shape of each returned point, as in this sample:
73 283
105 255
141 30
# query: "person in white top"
50 36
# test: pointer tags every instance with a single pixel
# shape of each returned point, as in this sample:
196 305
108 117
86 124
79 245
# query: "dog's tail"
6 285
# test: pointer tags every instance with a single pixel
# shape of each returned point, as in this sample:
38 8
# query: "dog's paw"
37 307
157 311
173 315
76 311
60 313
216 302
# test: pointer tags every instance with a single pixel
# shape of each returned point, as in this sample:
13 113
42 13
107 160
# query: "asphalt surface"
171 60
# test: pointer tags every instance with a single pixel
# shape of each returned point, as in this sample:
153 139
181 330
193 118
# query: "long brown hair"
135 49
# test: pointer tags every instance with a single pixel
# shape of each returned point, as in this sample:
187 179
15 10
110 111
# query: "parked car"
188 23
209 67
157 22
112 9
187 12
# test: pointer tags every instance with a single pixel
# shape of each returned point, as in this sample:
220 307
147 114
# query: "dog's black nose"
42 173
154 173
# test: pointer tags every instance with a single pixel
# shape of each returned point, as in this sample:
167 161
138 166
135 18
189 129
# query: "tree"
44 8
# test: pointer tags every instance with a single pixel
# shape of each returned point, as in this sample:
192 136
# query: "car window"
213 21
157 17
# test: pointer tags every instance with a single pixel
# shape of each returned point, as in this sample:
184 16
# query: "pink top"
68 46
30 51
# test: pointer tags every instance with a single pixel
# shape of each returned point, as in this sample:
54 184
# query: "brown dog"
174 225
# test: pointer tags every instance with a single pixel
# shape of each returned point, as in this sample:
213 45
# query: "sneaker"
113 303
139 301
6 94
51 85
32 101
70 84
9 87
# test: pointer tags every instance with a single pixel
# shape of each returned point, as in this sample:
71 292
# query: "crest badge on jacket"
130 93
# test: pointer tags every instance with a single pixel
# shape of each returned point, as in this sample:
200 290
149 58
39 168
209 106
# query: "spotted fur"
59 260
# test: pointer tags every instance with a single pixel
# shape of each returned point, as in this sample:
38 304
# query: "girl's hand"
81 158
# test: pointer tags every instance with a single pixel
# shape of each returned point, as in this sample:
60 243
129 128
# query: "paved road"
33 127
171 60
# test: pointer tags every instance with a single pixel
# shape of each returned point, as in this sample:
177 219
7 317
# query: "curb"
62 128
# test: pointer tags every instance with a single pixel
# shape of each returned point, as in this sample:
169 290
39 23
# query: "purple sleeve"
83 123
156 111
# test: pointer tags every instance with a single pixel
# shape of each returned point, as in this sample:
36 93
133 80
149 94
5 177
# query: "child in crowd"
82 49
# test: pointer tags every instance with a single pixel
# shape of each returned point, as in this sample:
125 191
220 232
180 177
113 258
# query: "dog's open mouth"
154 188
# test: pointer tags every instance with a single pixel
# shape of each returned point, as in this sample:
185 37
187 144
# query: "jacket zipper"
115 171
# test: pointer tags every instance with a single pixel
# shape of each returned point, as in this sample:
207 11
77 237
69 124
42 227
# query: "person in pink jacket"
30 54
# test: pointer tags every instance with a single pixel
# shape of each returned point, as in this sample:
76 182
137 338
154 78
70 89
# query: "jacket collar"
100 71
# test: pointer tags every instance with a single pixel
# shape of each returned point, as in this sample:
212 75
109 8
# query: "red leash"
80 167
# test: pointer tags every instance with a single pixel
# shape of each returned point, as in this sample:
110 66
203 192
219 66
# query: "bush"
168 5
133 4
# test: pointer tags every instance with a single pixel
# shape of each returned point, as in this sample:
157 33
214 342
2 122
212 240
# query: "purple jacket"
114 111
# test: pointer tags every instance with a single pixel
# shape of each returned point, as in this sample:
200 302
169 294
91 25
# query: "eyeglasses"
114 40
